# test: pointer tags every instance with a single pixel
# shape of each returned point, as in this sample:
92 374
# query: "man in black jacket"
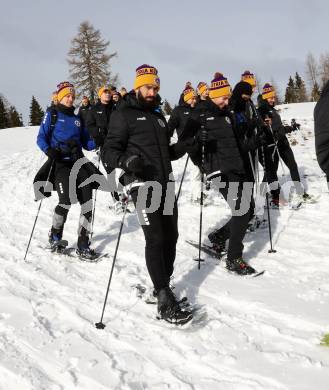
97 123
224 160
138 141
98 117
182 112
278 147
84 108
321 130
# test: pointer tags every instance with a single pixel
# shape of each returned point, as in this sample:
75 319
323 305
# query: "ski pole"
201 199
182 179
100 324
271 250
39 208
94 204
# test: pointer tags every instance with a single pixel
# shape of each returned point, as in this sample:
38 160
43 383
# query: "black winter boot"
169 308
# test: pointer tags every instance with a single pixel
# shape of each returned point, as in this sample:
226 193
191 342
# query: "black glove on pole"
259 128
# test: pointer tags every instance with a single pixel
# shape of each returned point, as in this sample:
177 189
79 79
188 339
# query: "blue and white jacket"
67 127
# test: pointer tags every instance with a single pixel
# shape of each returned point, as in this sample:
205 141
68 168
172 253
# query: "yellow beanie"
63 89
249 77
188 94
146 74
202 87
103 89
268 91
219 86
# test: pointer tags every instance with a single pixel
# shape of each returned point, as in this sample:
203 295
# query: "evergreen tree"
15 118
4 117
290 95
36 113
89 63
167 108
301 94
315 94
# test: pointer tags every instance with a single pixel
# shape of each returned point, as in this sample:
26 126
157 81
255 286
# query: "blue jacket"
66 128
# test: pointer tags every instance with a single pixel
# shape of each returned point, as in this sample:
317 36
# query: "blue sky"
185 40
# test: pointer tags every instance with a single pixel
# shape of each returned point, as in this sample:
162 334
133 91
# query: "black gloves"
54 154
75 150
133 164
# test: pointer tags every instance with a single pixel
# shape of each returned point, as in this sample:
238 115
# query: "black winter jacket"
222 151
83 113
178 118
135 130
321 129
98 120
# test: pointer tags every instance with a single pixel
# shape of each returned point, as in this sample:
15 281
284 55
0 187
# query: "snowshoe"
295 201
56 244
169 308
309 199
87 254
240 267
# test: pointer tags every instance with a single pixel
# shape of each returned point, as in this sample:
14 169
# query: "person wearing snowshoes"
138 141
62 142
321 130
224 160
278 147
97 123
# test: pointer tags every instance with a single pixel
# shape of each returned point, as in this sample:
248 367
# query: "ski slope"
250 334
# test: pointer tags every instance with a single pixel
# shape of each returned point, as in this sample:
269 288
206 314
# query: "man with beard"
224 160
138 141
278 147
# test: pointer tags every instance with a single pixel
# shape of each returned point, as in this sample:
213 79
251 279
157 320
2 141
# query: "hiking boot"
240 267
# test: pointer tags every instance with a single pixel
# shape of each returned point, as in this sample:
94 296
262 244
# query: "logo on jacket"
228 120
186 113
210 118
99 112
141 118
77 123
161 123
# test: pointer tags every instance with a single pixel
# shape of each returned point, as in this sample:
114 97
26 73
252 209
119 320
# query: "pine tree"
36 113
290 96
4 118
301 94
15 119
167 108
89 63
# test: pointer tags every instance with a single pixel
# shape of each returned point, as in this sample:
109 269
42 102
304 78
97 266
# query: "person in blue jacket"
62 140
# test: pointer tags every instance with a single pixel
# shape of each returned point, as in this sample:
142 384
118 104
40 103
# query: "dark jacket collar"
65 110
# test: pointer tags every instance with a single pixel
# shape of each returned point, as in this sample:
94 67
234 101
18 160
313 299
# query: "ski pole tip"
100 325
271 251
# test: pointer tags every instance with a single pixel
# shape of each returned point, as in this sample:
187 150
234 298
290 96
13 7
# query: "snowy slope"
251 334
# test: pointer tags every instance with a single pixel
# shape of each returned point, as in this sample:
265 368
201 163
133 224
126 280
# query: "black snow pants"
161 234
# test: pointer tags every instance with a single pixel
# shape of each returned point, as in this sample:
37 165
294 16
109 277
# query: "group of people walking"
220 129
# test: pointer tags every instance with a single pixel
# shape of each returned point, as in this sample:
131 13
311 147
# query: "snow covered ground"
251 334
